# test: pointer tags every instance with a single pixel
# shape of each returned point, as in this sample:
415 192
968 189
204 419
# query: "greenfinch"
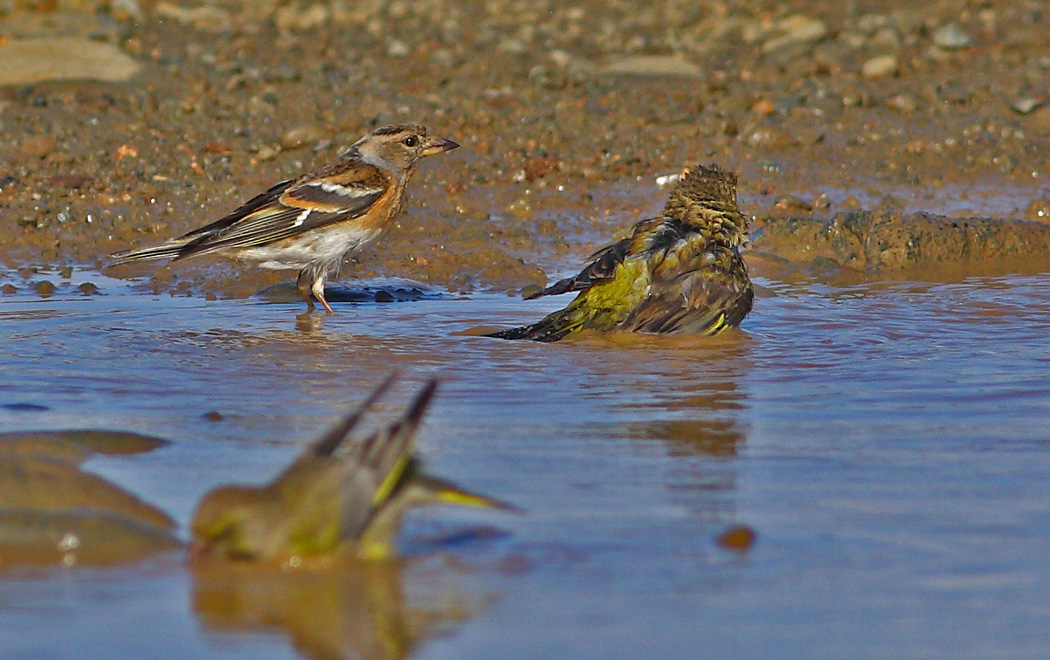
340 494
681 272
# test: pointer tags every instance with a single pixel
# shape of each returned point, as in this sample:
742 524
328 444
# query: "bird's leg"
320 272
318 291
304 283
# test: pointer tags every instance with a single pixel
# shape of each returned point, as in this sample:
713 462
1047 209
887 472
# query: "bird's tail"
445 492
553 327
168 250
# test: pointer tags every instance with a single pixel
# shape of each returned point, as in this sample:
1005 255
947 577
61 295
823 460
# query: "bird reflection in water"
352 609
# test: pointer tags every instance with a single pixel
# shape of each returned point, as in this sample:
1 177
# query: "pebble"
738 537
63 58
301 135
651 65
397 48
880 66
903 103
1026 105
295 17
796 29
950 37
1038 211
205 19
44 288
773 138
792 203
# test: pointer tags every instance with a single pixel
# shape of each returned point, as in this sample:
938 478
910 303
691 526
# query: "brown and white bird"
311 222
679 273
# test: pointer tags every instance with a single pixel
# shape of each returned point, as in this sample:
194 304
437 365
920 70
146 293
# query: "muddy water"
887 442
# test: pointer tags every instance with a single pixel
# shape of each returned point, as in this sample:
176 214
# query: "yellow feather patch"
392 479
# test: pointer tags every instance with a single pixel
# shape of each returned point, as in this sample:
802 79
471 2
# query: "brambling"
311 222
681 272
339 494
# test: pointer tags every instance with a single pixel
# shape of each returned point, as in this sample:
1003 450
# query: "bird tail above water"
167 250
553 327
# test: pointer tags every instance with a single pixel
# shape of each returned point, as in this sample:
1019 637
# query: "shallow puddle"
887 442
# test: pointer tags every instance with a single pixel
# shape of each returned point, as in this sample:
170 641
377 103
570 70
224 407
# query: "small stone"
301 135
31 61
796 29
651 65
295 17
738 537
903 103
1038 211
792 203
763 107
88 289
397 48
1026 105
217 148
384 296
213 416
950 37
8 289
512 46
125 10
822 201
537 167
880 66
267 152
44 288
208 18
773 138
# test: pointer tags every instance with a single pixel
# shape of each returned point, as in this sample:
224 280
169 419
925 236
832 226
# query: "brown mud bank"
894 244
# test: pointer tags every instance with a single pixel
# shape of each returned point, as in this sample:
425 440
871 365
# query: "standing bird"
338 494
677 273
312 221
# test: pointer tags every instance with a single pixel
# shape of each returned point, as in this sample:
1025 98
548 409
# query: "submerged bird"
681 272
311 222
339 494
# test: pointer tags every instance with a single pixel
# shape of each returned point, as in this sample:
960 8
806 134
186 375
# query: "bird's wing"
703 301
601 266
376 466
327 444
341 191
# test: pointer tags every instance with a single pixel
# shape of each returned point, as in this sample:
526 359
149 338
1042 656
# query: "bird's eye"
410 141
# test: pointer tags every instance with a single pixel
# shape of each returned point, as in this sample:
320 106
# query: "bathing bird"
341 494
681 272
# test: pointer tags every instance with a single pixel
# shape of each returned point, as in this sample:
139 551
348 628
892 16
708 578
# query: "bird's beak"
439 146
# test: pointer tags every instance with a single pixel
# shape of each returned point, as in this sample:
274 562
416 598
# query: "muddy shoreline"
567 116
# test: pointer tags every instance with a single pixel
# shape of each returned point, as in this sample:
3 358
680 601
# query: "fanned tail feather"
551 328
170 250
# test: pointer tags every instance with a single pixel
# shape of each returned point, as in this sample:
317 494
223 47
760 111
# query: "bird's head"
399 147
238 523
